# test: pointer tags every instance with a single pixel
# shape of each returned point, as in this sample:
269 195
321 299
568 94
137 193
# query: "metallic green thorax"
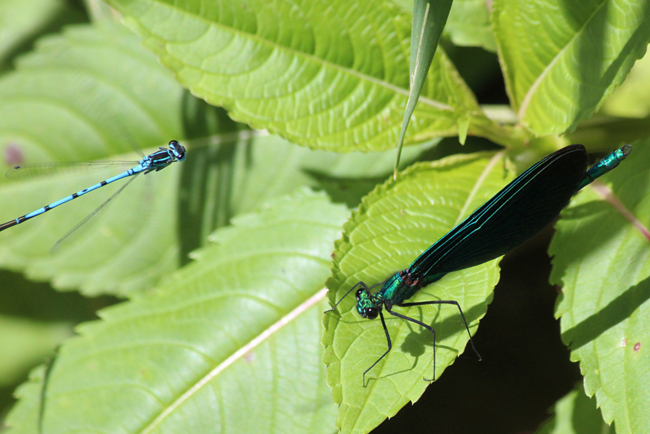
400 287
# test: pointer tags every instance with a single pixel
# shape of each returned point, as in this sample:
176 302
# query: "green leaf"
22 22
429 18
602 133
90 93
329 75
468 23
23 417
34 320
576 414
632 99
118 252
602 260
51 109
561 60
25 342
396 223
265 167
232 335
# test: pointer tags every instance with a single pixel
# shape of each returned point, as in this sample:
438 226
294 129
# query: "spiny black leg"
421 303
390 345
361 284
428 327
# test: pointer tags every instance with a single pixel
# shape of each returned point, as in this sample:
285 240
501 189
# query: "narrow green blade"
429 18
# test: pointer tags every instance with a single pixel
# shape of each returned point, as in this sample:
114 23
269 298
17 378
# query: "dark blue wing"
515 214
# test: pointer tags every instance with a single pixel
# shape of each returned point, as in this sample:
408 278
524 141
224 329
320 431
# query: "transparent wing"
92 214
41 169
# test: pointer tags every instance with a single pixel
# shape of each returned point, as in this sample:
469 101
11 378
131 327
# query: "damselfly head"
177 150
365 305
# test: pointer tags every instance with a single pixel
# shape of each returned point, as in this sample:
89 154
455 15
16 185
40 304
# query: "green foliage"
194 341
576 414
344 99
42 122
223 259
468 23
429 18
396 222
602 261
562 74
632 98
27 339
24 21
121 253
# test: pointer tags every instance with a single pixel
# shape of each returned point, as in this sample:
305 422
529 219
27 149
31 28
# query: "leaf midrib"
262 337
274 46
531 92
